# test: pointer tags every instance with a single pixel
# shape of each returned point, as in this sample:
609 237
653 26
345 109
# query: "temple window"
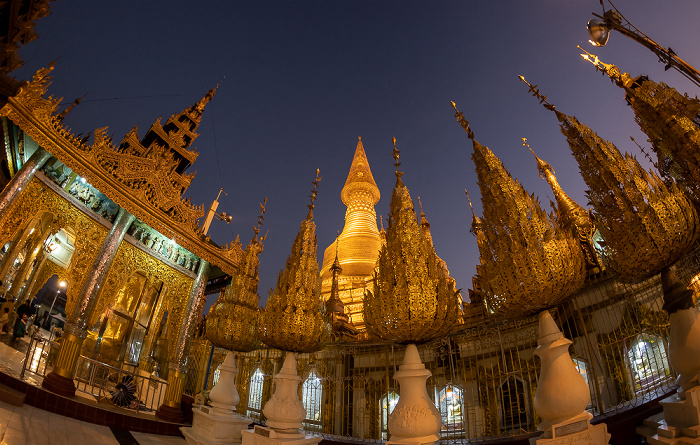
451 407
311 393
649 362
386 406
255 394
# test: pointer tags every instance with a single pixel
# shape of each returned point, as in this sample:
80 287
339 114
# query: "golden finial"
381 223
616 76
646 154
314 192
462 121
536 92
397 164
261 217
476 221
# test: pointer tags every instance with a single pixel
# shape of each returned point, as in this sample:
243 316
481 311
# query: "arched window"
311 396
648 362
255 391
451 407
386 406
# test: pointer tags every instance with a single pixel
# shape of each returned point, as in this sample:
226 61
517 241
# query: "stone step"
11 395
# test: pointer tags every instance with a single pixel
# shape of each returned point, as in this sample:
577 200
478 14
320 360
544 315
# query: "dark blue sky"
301 80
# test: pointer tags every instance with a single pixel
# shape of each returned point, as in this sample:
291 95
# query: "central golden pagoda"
413 300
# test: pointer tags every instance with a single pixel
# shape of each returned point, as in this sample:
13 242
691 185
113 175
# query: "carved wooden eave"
146 186
176 140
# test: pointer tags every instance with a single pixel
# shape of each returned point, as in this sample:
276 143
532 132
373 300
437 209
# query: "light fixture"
599 32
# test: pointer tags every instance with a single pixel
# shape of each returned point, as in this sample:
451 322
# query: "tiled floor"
27 425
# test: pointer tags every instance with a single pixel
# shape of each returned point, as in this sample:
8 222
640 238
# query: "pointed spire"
570 215
646 224
292 319
232 321
334 303
527 263
669 119
413 300
314 192
360 177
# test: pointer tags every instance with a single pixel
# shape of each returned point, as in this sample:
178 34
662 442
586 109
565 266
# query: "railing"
135 390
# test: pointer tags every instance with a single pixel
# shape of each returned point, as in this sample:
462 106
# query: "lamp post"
61 284
599 31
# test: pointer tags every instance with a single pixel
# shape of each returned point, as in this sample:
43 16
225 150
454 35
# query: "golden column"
170 409
60 379
21 179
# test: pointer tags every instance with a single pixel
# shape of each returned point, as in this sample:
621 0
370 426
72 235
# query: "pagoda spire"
292 318
646 223
570 215
413 300
334 304
527 262
668 118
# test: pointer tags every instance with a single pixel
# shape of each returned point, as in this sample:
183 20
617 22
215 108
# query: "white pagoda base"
574 431
212 428
270 436
681 420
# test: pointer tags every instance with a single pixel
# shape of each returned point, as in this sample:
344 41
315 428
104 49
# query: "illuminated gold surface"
140 179
570 215
292 319
646 223
412 298
358 245
669 118
528 263
232 322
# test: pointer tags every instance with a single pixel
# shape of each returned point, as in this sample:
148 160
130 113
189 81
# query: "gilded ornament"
646 224
669 118
233 320
293 318
412 300
140 176
527 261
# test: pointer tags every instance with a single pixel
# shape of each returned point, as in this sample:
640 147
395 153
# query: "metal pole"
206 375
52 304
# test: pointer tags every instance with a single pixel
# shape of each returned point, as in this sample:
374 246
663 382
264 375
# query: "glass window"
450 405
386 406
255 394
311 392
648 362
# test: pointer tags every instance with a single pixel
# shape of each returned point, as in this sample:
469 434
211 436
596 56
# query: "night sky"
301 80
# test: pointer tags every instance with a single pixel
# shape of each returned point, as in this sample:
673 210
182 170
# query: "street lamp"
61 284
599 31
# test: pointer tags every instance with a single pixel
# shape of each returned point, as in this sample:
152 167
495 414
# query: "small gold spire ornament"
670 120
528 263
570 215
232 321
413 300
293 320
646 223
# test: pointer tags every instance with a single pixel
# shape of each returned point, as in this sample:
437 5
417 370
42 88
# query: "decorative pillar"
170 409
60 380
562 393
21 179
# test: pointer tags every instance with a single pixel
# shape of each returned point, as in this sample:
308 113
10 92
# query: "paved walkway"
27 425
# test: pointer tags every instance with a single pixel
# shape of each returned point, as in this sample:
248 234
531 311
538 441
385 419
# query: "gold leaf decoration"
293 320
528 263
233 320
413 299
646 223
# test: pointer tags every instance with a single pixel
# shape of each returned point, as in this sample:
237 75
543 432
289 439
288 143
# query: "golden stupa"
412 299
232 321
646 223
528 262
357 247
293 319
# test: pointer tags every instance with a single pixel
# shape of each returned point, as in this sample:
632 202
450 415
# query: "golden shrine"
110 219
